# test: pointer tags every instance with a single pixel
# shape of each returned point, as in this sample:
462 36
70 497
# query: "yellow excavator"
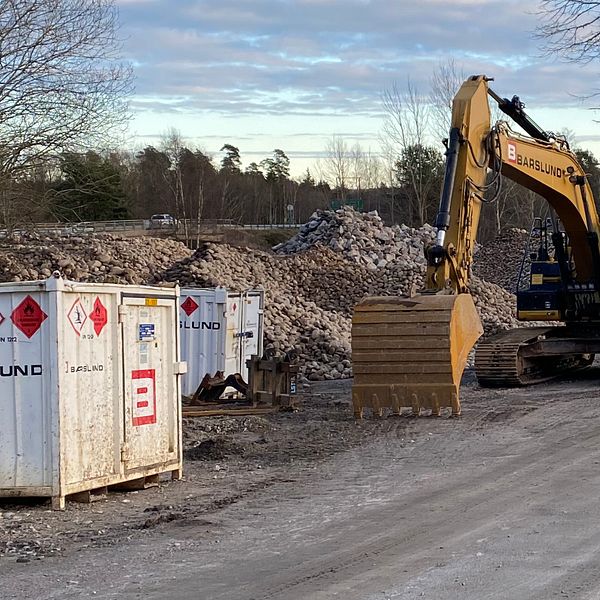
411 352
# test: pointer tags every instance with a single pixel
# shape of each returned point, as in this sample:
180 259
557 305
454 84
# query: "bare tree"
445 82
367 167
571 28
336 167
406 133
62 84
172 145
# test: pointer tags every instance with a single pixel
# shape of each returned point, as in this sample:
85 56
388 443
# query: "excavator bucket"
411 352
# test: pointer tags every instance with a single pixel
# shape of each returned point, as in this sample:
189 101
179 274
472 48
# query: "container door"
151 393
90 407
202 324
28 373
251 334
233 341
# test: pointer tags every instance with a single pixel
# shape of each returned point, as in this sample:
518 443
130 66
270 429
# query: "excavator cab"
540 287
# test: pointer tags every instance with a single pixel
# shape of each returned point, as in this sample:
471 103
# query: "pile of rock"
499 261
94 258
361 238
497 308
310 294
311 283
308 298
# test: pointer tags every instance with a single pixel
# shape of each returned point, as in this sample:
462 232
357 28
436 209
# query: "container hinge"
244 334
180 368
122 312
125 453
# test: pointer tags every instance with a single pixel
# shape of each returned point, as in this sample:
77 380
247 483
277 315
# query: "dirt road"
502 503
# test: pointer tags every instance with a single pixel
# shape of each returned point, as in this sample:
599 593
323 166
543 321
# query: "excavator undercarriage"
532 355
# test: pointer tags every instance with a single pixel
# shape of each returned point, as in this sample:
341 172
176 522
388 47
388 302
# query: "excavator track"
507 359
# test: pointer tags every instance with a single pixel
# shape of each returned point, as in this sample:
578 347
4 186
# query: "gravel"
311 282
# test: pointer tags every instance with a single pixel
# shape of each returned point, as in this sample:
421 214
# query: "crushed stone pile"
312 282
361 238
93 259
499 261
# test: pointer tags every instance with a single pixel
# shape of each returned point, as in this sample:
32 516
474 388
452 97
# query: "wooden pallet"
101 493
272 381
226 411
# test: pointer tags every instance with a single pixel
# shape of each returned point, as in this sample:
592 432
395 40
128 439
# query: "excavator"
410 352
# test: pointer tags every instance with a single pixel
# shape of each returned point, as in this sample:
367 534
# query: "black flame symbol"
29 309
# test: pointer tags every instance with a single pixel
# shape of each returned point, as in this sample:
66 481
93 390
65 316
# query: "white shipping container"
220 330
89 386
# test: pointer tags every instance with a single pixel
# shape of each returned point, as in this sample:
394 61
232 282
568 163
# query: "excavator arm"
411 352
541 163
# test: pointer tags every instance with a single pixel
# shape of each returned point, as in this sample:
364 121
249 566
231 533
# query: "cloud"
329 58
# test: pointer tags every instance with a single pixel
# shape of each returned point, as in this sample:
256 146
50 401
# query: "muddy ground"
226 459
499 503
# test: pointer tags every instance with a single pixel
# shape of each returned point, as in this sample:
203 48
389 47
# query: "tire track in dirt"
514 480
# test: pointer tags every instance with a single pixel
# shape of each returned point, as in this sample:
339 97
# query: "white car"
160 221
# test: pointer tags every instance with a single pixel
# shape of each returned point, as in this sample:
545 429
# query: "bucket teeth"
410 353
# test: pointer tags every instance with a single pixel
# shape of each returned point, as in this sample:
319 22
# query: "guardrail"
271 226
140 225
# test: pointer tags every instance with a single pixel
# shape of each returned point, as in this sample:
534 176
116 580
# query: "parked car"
78 228
161 221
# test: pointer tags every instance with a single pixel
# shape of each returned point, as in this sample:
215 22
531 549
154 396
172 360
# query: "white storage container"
219 331
89 386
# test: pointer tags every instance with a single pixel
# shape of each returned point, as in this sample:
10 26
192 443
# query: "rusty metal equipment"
212 388
272 385
411 352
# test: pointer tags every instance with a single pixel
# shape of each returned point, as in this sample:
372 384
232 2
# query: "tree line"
189 185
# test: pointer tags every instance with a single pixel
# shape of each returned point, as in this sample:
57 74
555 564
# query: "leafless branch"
63 86
570 29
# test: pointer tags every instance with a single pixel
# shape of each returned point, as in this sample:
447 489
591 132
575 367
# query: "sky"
292 74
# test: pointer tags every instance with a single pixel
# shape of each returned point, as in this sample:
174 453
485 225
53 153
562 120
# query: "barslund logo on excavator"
532 163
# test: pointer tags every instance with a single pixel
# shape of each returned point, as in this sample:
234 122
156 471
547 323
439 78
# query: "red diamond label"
28 316
77 316
99 316
2 319
189 306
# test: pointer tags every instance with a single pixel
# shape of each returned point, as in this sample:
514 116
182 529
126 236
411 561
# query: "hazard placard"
143 395
99 316
77 316
189 306
28 316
